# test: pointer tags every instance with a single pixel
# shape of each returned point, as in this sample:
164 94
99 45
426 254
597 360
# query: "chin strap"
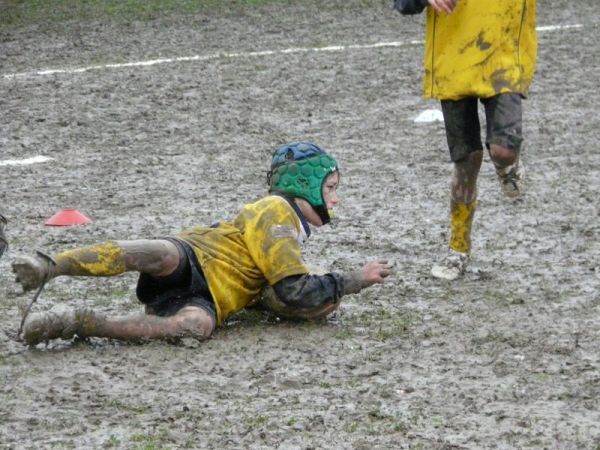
323 213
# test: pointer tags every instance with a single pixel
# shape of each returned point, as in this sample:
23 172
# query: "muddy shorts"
503 115
186 286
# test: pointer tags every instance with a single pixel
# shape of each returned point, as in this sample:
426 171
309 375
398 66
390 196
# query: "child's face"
329 195
330 190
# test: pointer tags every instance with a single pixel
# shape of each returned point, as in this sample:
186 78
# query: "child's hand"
375 272
443 5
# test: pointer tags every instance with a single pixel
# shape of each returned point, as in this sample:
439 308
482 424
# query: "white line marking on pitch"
23 162
559 27
333 48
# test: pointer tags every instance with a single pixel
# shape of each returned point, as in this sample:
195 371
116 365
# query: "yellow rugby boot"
512 179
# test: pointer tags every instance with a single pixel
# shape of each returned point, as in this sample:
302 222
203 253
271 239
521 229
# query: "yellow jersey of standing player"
484 48
260 245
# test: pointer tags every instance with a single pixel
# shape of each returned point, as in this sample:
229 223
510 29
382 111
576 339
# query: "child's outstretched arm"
315 296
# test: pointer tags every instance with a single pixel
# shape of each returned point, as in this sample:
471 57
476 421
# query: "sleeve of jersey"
310 290
272 239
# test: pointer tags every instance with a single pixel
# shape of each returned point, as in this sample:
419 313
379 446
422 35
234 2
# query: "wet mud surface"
506 358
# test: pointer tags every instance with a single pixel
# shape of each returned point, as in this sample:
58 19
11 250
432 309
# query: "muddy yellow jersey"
260 245
484 48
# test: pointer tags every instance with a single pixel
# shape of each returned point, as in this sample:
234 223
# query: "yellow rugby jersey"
484 48
260 245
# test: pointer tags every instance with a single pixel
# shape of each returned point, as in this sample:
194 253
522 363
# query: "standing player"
191 283
477 51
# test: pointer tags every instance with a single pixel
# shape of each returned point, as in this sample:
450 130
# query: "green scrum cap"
299 169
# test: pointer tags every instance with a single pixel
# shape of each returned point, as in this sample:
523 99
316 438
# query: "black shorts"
503 115
186 286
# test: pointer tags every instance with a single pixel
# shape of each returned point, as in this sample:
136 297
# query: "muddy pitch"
506 358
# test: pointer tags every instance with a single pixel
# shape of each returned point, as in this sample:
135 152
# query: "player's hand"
375 272
446 6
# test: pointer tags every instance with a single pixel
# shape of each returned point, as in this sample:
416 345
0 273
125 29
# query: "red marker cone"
66 217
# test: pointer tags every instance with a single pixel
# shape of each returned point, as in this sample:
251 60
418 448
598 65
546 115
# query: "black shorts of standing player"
503 115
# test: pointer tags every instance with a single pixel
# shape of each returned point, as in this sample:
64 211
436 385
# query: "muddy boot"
451 266
3 241
60 323
32 271
512 179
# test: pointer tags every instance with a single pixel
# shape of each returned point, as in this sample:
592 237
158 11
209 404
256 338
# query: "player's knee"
502 156
159 257
194 322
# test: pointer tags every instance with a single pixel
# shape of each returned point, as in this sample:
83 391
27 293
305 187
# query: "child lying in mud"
191 283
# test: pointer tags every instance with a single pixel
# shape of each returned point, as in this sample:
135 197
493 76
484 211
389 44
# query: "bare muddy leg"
83 322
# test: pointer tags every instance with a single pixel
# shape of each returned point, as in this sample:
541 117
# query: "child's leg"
156 257
504 129
504 139
190 321
464 201
463 133
463 185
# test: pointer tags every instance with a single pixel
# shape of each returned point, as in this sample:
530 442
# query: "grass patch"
249 317
26 12
502 297
377 424
384 324
112 442
135 409
255 422
150 441
344 332
112 295
396 327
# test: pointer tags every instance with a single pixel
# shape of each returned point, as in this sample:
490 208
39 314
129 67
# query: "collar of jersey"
293 204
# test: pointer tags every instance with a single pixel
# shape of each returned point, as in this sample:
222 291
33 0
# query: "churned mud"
506 358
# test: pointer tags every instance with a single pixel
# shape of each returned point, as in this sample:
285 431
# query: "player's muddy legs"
158 257
64 323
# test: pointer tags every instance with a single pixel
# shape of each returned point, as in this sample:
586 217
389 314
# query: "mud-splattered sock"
106 259
461 218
